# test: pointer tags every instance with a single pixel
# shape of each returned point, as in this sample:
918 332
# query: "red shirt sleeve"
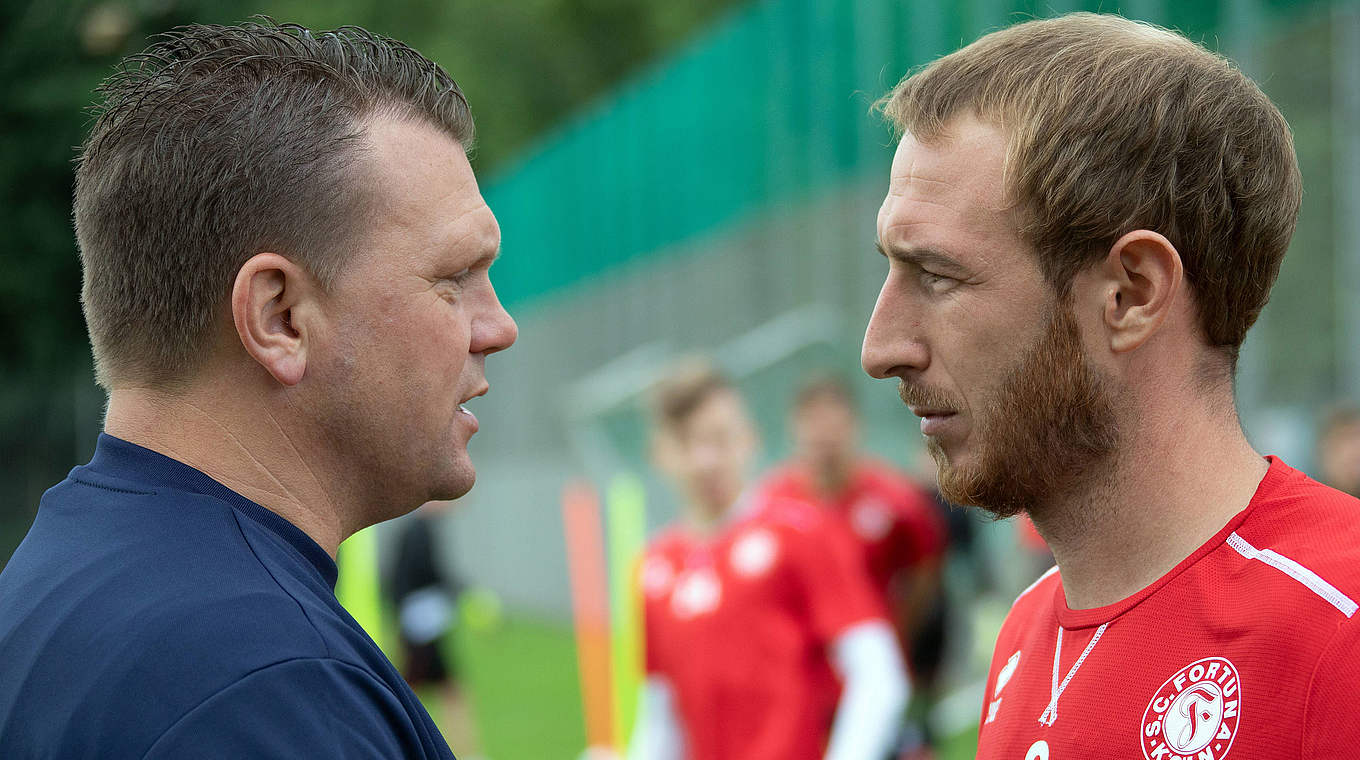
923 528
1330 728
830 573
651 655
652 580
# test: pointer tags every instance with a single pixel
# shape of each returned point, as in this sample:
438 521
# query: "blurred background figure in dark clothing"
426 592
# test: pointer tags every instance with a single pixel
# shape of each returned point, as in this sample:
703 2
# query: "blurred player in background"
765 639
426 592
1084 217
1338 449
900 536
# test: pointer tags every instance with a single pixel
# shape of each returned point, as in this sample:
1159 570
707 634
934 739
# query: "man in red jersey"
764 638
1084 217
896 529
892 519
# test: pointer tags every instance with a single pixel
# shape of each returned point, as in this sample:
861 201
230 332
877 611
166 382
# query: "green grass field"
521 678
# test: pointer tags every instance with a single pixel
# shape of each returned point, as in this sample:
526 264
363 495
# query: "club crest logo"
697 592
753 554
1194 715
871 519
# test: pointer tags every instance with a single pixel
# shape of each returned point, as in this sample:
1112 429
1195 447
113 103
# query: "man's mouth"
926 403
480 392
933 421
462 405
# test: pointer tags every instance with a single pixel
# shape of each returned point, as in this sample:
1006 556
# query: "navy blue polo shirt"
152 612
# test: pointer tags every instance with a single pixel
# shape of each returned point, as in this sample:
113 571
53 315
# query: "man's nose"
893 344
496 331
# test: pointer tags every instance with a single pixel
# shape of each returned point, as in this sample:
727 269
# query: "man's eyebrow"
932 259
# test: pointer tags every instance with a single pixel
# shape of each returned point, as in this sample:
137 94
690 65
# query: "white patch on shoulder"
697 592
754 553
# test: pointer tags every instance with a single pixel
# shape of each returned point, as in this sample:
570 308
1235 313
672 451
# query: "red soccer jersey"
893 519
740 623
1248 649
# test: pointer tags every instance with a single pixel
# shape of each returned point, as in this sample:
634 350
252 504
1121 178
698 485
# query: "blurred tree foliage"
524 65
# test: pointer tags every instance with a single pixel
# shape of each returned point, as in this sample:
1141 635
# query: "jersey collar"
117 458
1088 618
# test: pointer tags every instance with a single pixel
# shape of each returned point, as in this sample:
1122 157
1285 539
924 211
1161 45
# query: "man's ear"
273 303
1143 273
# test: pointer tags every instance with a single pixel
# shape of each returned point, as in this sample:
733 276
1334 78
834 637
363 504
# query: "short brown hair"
221 142
824 385
685 388
1114 126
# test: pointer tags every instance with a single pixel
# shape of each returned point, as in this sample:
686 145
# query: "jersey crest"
697 592
1194 715
753 554
871 519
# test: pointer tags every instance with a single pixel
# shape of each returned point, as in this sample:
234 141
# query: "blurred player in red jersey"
1084 217
764 637
900 536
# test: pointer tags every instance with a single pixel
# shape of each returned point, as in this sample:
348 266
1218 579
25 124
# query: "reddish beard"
1049 429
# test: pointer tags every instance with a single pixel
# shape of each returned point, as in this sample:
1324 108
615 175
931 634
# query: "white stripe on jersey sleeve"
1296 571
1032 586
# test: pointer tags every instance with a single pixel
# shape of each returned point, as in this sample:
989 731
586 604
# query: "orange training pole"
590 608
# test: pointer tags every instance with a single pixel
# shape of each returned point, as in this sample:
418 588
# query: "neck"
703 519
252 454
1193 471
831 476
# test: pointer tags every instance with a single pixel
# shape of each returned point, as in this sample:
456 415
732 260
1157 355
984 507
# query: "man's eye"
932 281
458 278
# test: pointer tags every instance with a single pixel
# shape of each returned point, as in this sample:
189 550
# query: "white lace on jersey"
1050 714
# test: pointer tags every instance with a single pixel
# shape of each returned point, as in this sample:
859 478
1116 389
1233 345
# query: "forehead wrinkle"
895 222
913 180
969 216
905 188
963 156
964 249
902 225
918 195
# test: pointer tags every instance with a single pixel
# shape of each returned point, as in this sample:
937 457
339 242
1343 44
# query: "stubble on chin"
457 483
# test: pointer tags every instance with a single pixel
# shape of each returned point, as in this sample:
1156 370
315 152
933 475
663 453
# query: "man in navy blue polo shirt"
286 286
